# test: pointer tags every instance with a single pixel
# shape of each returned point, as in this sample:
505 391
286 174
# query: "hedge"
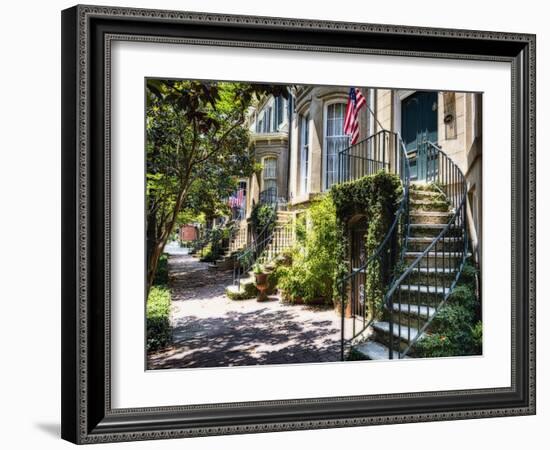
159 332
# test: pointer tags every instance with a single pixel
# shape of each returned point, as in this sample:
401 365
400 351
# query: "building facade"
297 141
268 122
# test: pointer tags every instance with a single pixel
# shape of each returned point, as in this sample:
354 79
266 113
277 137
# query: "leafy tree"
197 147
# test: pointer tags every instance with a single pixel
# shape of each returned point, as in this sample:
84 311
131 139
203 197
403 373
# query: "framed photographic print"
281 224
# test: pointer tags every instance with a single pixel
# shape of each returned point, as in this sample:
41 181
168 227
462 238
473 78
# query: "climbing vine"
321 254
376 198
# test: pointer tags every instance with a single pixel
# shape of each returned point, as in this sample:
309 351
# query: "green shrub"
315 258
261 216
213 250
456 329
477 336
435 346
158 318
161 277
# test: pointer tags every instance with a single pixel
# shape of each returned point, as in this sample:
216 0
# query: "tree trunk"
161 238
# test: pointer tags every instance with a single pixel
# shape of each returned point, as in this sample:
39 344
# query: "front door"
418 128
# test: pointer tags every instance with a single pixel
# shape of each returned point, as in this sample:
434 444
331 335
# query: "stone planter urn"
262 286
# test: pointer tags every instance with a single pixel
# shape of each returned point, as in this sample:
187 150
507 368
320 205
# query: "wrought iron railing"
273 240
246 258
268 196
238 237
372 154
381 151
429 279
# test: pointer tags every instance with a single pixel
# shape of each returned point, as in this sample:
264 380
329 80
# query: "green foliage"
316 256
376 198
456 329
435 346
217 239
261 216
158 318
197 149
161 277
368 195
246 291
477 337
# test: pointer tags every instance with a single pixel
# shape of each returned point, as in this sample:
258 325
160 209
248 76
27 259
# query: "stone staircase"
429 283
236 242
282 238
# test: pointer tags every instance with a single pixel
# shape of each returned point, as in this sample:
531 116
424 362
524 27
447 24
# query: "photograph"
294 224
294 219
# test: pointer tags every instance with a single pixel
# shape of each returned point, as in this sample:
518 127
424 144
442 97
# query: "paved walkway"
209 330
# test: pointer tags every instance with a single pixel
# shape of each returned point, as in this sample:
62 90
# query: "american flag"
351 121
236 201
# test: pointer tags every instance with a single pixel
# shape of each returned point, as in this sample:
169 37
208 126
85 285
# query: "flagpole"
373 115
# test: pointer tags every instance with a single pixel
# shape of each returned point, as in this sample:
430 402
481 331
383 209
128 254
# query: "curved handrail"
453 181
402 167
260 241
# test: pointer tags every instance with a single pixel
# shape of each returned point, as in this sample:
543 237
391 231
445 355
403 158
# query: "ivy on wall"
321 256
376 198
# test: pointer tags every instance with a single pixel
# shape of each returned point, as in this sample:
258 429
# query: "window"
335 141
304 153
267 120
280 109
270 175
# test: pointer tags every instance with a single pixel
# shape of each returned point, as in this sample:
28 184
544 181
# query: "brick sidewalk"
209 330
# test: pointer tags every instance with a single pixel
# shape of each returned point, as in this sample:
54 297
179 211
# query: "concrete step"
375 351
423 289
429 205
443 276
423 311
433 230
415 194
435 270
430 217
423 187
435 259
433 254
401 332
420 243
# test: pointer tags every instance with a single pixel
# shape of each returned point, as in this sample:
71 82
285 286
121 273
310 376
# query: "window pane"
335 140
280 105
270 168
304 153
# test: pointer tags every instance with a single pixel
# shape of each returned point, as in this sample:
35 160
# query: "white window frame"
271 126
264 178
324 164
304 153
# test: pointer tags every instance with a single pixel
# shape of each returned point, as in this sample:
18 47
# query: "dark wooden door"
419 126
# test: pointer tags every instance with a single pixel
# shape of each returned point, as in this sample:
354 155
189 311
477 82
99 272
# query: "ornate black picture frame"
87 33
